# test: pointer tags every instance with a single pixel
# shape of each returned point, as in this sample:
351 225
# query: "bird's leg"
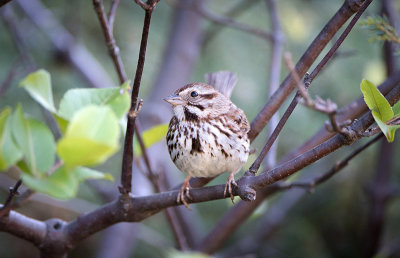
184 192
231 181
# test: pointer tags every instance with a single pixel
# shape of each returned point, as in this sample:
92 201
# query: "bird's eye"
194 94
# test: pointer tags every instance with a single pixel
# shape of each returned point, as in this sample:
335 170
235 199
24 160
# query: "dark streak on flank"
224 152
190 116
222 131
196 145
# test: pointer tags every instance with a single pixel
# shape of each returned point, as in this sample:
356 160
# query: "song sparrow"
207 135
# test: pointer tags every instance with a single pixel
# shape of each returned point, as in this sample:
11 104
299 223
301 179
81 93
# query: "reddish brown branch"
110 41
133 209
310 55
12 192
334 170
126 172
340 40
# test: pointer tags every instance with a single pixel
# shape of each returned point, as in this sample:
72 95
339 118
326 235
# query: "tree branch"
274 72
203 11
310 55
126 172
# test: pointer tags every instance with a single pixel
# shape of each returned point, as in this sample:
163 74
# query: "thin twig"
16 203
137 208
340 40
310 55
327 107
233 12
10 76
203 11
334 170
110 41
111 15
3 2
153 178
300 86
262 118
78 55
257 163
126 173
12 192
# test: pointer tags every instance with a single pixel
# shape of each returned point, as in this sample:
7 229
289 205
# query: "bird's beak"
174 100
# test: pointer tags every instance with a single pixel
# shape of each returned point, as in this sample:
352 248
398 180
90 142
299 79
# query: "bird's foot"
184 193
228 186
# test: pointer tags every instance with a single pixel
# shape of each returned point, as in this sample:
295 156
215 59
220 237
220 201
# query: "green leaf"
376 101
396 109
91 137
35 141
38 85
386 130
150 137
9 151
75 99
83 173
62 184
62 123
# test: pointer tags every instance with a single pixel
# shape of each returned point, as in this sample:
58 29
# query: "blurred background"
65 38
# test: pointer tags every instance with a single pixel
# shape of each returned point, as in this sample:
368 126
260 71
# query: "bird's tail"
223 81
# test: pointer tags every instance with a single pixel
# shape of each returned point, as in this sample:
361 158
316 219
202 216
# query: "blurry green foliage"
381 28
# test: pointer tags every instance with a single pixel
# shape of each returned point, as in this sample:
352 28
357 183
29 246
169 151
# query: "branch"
333 171
3 2
221 231
274 72
379 190
308 58
236 10
136 208
126 172
24 227
278 211
111 15
5 209
110 41
203 11
65 43
339 41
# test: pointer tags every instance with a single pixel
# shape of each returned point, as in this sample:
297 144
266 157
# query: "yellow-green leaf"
396 109
9 151
35 141
150 137
116 98
62 184
91 137
83 173
38 85
376 101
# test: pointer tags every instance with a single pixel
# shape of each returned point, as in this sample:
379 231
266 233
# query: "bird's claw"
228 186
182 195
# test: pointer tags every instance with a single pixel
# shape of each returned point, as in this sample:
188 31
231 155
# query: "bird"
207 135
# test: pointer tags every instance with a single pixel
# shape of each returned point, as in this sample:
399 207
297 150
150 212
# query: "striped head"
197 101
